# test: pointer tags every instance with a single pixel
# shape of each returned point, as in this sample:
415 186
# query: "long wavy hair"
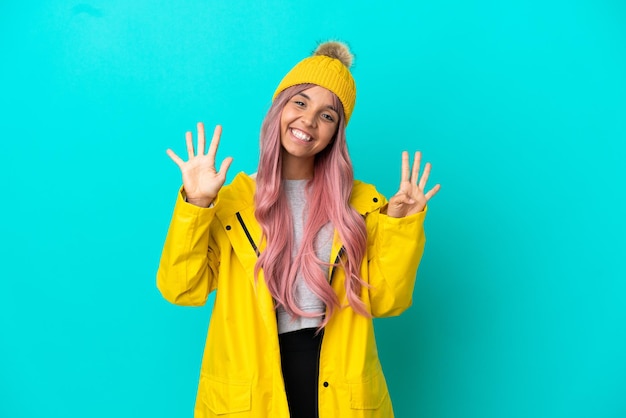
328 197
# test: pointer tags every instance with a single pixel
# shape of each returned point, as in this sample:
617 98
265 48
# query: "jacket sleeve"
395 248
189 264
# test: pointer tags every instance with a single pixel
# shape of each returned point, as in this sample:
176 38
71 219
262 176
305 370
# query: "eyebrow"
331 107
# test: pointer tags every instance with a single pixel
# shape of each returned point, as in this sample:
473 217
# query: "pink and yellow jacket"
216 248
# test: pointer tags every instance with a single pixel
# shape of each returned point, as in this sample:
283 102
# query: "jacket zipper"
332 271
245 229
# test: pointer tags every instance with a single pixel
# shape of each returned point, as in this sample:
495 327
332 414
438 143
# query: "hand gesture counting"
411 198
201 181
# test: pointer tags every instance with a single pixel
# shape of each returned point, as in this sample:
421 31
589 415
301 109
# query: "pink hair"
328 194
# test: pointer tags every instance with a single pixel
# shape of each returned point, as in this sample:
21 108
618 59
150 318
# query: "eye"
328 117
298 103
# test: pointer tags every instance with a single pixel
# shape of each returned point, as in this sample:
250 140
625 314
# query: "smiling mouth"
301 135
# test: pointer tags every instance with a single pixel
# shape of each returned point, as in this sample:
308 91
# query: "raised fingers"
425 175
215 142
225 165
417 160
201 138
189 141
179 162
432 192
405 167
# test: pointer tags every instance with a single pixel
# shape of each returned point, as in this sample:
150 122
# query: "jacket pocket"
369 393
223 396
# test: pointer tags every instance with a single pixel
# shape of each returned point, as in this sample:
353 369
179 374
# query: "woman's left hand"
411 197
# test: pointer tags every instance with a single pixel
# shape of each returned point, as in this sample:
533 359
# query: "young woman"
302 257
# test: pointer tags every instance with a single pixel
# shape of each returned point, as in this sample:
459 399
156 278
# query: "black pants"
300 358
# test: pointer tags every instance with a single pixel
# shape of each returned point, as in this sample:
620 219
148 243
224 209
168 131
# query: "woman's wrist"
203 202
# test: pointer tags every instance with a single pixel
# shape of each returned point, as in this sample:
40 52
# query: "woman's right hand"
201 181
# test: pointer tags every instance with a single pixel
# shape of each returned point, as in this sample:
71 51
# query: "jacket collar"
238 196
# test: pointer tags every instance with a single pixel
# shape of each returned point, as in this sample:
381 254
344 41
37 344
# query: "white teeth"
300 135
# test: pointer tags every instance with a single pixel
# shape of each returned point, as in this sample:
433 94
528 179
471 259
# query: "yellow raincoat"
216 248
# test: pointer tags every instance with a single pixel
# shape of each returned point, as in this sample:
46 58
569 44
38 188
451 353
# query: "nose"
308 118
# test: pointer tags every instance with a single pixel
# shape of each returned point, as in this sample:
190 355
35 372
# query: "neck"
296 169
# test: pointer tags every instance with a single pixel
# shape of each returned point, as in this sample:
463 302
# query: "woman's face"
308 124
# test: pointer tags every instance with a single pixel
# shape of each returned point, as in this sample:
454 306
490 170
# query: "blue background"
520 106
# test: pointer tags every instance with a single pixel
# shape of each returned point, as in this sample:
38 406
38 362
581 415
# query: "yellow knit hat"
328 67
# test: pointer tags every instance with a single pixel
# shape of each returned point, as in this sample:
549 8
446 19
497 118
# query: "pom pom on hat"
328 67
337 50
